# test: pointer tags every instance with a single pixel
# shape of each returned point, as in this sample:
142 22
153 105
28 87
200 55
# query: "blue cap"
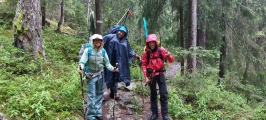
122 28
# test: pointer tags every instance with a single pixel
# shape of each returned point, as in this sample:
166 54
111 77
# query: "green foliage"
137 77
33 89
193 102
7 12
177 108
137 104
62 47
75 14
16 60
142 90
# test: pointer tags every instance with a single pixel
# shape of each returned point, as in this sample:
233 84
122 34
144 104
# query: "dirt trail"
121 113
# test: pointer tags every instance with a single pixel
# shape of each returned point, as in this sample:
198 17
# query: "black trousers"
160 80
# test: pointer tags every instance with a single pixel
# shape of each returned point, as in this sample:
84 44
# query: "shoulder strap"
148 55
159 52
89 51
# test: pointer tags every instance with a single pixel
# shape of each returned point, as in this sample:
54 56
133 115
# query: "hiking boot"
166 118
111 96
154 117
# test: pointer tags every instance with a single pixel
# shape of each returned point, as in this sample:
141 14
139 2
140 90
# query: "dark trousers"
160 80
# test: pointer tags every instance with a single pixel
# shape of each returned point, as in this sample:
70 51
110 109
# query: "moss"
17 22
18 25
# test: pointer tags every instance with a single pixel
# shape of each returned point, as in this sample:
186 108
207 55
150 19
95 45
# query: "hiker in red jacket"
153 70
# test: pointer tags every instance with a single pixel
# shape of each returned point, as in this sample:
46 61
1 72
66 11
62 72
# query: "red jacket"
146 64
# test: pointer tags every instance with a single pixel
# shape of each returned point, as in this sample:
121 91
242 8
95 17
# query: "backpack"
89 46
160 56
113 29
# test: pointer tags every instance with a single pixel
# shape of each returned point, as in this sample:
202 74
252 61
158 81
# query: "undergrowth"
31 88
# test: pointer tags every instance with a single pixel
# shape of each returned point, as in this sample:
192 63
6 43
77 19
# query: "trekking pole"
128 11
141 83
116 65
81 86
81 83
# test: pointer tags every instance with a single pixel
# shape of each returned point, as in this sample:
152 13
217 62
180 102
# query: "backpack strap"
159 52
89 51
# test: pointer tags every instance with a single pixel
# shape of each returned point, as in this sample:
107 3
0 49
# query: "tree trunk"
27 27
43 5
222 51
201 38
58 30
192 36
182 38
98 10
88 12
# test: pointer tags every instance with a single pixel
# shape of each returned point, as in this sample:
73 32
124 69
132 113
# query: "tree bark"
43 5
222 51
27 27
98 10
182 38
192 36
58 30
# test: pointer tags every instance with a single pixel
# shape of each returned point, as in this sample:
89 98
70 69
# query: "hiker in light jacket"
96 61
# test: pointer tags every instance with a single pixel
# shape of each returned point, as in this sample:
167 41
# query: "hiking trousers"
160 80
95 90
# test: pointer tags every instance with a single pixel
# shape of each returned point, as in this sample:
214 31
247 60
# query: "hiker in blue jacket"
95 59
119 51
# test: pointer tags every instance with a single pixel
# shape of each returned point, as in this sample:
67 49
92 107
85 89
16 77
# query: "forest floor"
125 113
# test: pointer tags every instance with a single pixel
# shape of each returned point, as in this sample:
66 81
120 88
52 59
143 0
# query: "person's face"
152 45
97 42
121 34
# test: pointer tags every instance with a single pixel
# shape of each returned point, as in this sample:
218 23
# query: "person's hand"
137 56
147 80
167 53
116 69
80 69
80 72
